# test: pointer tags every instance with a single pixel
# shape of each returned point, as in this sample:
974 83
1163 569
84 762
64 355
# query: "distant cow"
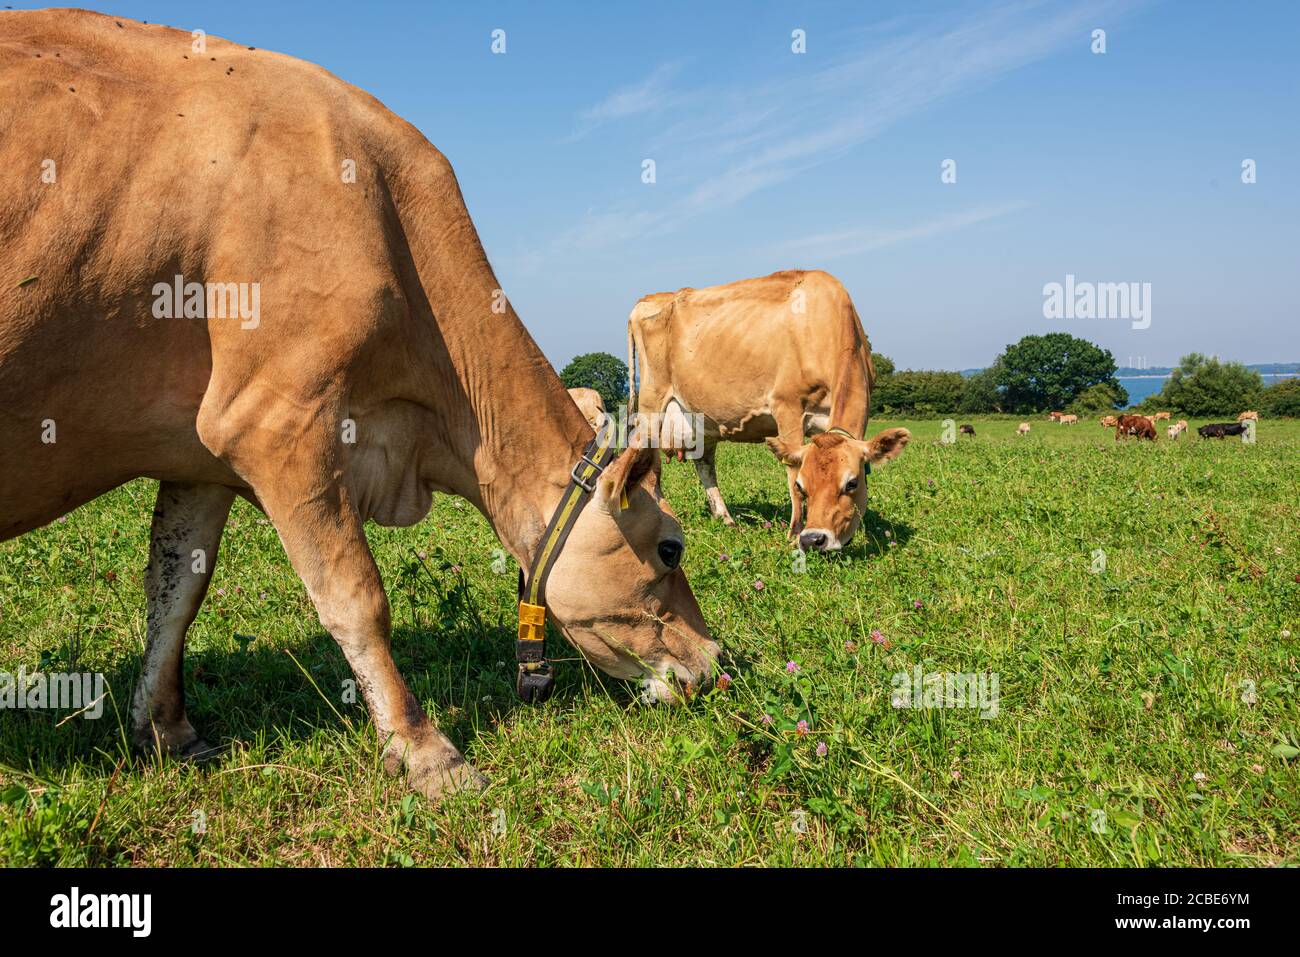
591 405
779 358
1221 430
1136 425
966 429
1109 422
1023 429
1159 416
1055 416
1248 415
1177 429
1068 419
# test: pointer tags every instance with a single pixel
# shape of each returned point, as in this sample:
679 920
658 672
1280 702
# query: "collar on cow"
849 435
535 680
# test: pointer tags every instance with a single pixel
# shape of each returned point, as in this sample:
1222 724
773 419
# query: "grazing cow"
1177 429
1022 429
373 368
1137 425
1055 416
591 405
966 430
1248 415
1109 421
780 356
1068 419
1220 430
1160 417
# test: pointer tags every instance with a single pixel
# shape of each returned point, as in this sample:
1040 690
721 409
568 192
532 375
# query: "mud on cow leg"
707 470
324 538
187 525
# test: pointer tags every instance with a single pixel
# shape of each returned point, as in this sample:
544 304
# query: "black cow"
967 430
1220 430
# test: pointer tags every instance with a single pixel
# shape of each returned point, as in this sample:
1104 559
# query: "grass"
1125 733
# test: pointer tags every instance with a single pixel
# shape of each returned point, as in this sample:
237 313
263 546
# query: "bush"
917 391
1202 386
1282 398
1101 397
980 393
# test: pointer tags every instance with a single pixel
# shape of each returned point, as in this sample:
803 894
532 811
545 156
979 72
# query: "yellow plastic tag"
532 622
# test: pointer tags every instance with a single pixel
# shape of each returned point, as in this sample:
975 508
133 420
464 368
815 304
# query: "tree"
600 371
1282 398
883 365
1051 371
1204 386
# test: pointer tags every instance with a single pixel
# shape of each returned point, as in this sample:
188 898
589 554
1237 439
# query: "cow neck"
519 433
525 458
512 430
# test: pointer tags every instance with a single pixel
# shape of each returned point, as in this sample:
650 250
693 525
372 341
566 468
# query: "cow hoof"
447 778
181 742
434 769
198 751
728 521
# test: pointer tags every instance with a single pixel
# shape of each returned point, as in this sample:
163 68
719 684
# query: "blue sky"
1119 167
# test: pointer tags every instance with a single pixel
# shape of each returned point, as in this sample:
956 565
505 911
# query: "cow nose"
811 541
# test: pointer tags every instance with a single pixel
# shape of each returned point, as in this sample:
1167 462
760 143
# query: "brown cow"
372 369
1160 417
1055 416
776 357
1137 425
1068 419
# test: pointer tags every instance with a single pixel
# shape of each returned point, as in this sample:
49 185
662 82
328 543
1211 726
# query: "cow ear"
889 444
786 454
625 473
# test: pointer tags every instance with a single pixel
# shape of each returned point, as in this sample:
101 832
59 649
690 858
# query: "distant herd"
1144 426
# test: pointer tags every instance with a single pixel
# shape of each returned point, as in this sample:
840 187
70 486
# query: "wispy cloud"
735 142
849 242
651 95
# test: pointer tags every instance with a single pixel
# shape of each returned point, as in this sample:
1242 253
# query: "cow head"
618 591
831 482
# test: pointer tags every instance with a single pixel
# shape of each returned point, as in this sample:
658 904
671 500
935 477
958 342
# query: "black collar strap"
849 435
534 680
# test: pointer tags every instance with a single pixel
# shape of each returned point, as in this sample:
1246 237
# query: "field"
1147 712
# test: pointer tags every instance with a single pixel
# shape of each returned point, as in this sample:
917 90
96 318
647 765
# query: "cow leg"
790 429
706 469
796 509
187 525
323 536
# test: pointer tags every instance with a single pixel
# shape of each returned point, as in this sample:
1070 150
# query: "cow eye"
670 552
851 486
